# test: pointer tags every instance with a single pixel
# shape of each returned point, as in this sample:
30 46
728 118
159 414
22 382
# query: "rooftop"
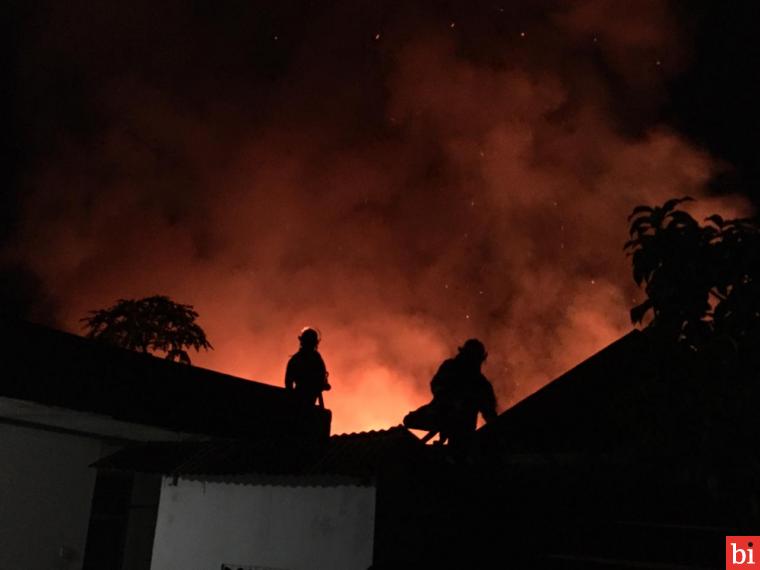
60 371
355 457
598 405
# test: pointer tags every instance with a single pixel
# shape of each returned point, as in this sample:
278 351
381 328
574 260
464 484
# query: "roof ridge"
372 432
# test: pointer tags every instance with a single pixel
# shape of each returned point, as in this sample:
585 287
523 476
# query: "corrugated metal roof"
365 452
355 456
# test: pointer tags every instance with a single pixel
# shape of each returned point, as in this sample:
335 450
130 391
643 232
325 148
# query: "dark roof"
597 404
363 453
356 456
54 368
153 457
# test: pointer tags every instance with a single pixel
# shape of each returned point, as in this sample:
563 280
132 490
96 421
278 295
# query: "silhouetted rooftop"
62 370
598 404
356 457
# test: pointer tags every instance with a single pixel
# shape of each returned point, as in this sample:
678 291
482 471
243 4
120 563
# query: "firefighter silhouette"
460 392
306 374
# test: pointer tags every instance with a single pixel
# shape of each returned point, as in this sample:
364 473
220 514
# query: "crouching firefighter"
460 392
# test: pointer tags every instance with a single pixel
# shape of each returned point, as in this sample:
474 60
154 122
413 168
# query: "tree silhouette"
701 281
152 324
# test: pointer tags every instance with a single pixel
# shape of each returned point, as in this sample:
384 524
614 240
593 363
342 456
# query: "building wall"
45 492
203 525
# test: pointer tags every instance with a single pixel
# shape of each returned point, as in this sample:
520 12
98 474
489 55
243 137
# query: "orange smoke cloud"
472 187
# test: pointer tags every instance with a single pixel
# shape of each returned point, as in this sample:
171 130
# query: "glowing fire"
444 195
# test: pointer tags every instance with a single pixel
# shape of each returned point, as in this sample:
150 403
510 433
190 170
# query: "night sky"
402 176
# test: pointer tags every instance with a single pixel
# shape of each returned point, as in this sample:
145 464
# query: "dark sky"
206 52
403 175
714 100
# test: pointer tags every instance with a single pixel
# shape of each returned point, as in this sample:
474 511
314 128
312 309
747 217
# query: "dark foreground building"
636 458
244 505
66 402
633 459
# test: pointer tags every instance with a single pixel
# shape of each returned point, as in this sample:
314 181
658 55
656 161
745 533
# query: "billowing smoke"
402 179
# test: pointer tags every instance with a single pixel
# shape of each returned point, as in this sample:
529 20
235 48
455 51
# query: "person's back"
306 373
461 391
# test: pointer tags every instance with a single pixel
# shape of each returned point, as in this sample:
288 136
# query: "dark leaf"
673 202
639 311
640 210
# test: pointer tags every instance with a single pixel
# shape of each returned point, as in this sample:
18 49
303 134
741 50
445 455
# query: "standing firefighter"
306 373
460 392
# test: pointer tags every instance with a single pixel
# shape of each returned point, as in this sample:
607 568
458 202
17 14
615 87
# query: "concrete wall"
202 525
45 493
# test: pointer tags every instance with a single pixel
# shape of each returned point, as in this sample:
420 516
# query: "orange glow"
482 197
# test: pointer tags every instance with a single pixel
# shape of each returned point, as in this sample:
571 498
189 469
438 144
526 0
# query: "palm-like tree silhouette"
152 324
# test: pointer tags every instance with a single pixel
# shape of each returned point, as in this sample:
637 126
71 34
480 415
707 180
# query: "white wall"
45 493
202 525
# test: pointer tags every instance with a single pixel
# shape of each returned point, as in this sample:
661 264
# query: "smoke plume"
401 178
